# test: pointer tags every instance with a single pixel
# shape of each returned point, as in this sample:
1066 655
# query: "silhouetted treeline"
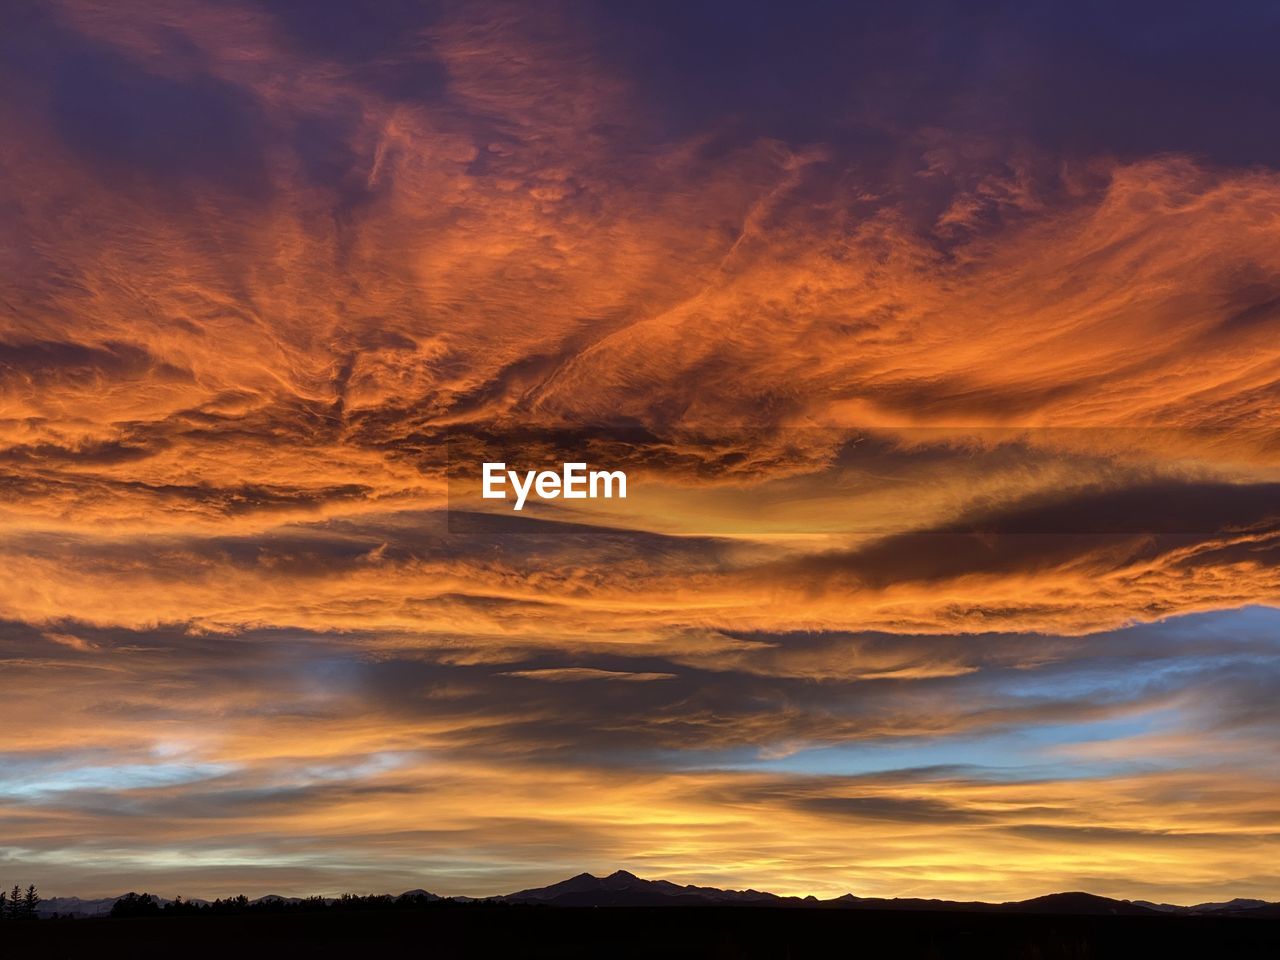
19 904
456 930
146 905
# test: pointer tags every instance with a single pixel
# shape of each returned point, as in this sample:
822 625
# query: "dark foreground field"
623 932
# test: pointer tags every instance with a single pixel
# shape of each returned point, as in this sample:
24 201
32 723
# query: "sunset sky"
940 343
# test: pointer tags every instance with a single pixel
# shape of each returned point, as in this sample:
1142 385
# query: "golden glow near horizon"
948 565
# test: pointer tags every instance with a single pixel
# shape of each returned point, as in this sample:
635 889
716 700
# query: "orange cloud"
920 447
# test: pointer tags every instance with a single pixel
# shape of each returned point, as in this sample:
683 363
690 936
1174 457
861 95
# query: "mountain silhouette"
1226 907
621 888
624 889
1078 904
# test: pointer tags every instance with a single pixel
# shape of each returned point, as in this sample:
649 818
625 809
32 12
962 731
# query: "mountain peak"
1078 902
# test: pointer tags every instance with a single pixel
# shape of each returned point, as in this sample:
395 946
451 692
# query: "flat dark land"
627 932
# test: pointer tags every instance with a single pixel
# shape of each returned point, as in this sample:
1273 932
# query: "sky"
939 342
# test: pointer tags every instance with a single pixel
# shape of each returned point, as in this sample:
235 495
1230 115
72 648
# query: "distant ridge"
624 889
1225 907
100 907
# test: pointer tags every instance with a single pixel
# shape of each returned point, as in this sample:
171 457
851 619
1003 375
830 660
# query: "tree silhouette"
135 905
179 905
15 905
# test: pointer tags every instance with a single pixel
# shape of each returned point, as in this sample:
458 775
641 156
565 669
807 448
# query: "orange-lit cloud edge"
950 571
